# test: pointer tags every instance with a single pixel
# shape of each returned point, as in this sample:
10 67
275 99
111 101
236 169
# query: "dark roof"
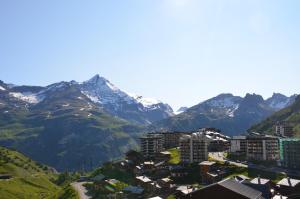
237 187
226 189
264 188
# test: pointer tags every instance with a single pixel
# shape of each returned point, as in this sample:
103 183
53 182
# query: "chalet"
143 181
165 182
289 187
178 171
138 170
133 190
210 173
184 190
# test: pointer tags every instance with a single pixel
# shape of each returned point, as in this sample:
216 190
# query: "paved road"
78 186
219 156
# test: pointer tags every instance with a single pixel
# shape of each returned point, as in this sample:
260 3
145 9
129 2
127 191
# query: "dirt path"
81 190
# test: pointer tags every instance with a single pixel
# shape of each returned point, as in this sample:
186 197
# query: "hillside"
231 114
29 179
290 114
65 130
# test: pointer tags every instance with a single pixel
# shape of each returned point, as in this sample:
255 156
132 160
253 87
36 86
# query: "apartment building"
262 147
284 129
238 144
290 153
193 148
171 139
151 145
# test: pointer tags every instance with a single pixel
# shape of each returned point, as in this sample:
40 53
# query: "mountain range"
231 114
75 125
99 91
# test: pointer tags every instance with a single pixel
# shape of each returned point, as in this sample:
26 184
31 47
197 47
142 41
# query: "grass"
29 179
175 156
67 193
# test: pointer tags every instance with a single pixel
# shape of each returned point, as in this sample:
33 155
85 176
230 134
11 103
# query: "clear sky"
179 51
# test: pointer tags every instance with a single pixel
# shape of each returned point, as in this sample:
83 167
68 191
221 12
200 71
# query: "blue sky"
179 51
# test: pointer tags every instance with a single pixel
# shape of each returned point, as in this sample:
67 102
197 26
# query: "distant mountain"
99 91
231 114
279 101
181 110
61 126
291 114
133 108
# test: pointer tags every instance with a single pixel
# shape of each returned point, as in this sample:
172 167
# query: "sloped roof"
226 189
288 182
260 180
237 187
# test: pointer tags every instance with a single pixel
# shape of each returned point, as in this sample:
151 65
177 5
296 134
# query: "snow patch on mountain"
145 101
227 102
1 88
28 97
93 98
57 86
180 110
230 112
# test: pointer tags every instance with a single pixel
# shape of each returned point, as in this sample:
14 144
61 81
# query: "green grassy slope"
67 193
29 179
175 156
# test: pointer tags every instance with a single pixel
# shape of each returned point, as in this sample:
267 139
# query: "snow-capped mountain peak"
97 90
224 101
101 91
279 101
99 81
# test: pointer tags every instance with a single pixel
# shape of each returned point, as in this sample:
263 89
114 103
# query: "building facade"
238 144
262 147
193 148
171 139
151 145
284 129
290 153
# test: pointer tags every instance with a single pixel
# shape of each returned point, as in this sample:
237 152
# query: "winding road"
81 190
